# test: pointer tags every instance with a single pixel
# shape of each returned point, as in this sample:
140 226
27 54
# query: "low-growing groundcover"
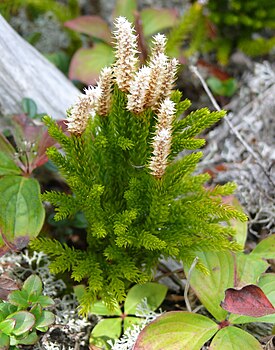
23 314
250 300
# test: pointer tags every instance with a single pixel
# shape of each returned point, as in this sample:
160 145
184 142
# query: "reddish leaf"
29 130
15 245
248 301
7 285
92 25
86 64
214 70
45 142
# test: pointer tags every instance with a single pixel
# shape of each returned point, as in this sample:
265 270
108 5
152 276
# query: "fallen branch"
26 73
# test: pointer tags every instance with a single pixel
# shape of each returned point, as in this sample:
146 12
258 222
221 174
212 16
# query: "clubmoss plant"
130 172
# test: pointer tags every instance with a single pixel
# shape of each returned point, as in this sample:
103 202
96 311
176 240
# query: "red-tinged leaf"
29 130
94 26
248 301
7 285
176 330
15 246
45 142
86 64
267 284
157 20
214 70
24 322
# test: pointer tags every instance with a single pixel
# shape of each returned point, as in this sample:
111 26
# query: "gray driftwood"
24 72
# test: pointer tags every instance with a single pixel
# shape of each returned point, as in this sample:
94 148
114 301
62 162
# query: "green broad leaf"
79 291
223 87
94 26
130 321
267 284
29 107
99 308
21 211
233 338
33 298
43 329
125 8
19 298
266 248
176 330
45 320
154 293
210 288
7 326
24 322
36 310
45 301
33 285
4 341
110 328
30 339
239 226
6 147
6 309
7 165
86 64
157 20
248 269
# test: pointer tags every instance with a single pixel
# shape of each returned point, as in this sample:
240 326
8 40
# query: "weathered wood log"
24 72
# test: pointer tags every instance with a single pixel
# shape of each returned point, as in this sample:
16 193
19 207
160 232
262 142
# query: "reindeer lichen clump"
141 201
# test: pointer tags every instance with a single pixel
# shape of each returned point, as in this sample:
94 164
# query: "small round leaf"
33 285
109 327
45 301
46 319
24 322
4 341
19 298
30 339
7 326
